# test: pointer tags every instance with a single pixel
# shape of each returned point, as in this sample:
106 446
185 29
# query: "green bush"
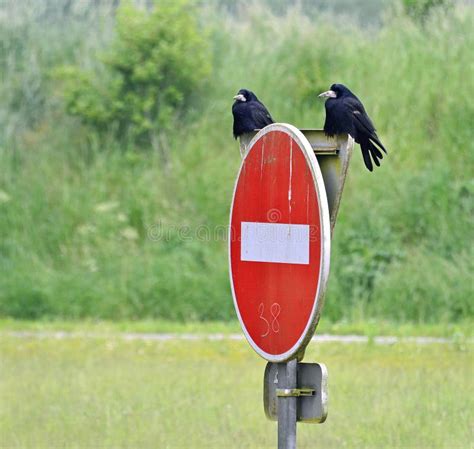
154 65
420 9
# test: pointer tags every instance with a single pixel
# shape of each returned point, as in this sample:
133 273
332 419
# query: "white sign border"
299 347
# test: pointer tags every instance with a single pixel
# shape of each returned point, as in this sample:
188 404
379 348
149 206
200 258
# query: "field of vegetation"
118 161
112 393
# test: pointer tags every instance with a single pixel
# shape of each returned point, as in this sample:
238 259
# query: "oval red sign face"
279 242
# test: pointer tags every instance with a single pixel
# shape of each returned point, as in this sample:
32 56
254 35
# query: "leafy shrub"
155 63
420 9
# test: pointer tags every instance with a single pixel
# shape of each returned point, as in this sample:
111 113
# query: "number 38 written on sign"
273 325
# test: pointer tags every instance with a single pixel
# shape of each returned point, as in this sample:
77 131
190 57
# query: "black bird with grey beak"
249 113
345 113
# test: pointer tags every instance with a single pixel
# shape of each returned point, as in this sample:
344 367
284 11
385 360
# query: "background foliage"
118 160
155 62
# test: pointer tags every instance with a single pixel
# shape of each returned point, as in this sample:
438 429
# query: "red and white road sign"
279 242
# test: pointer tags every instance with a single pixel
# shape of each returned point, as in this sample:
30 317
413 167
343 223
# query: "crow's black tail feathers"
374 138
365 154
369 149
375 153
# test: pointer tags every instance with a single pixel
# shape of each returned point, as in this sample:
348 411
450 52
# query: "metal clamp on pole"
310 392
294 392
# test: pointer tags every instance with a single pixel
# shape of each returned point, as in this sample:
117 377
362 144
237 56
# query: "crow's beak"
240 97
328 93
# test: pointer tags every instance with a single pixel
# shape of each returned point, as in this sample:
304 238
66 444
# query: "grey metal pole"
287 408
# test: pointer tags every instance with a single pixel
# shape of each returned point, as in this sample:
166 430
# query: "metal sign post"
287 407
284 208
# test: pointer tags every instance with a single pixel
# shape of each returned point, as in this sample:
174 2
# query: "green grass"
95 228
105 392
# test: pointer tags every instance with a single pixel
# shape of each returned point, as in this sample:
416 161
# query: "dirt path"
324 338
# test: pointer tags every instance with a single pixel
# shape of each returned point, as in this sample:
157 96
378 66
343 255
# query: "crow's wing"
362 122
361 118
260 115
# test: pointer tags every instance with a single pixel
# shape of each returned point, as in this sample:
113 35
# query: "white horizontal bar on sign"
274 243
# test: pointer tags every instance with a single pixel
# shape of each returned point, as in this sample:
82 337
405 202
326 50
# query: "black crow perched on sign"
346 114
249 114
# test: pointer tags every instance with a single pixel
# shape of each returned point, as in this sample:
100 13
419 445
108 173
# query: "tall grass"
91 227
